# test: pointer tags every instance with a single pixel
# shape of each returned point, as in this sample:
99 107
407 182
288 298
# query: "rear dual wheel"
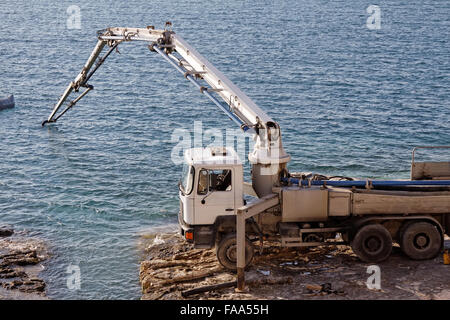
420 240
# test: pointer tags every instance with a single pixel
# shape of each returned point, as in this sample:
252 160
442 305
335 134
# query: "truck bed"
400 202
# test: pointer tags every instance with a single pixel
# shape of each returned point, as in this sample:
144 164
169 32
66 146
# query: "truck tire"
421 240
402 229
226 252
372 243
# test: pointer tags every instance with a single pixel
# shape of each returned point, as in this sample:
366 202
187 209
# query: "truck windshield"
187 179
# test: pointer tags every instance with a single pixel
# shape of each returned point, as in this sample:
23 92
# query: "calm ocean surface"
349 101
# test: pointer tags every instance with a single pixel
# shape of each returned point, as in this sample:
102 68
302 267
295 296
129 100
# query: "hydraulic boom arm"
268 150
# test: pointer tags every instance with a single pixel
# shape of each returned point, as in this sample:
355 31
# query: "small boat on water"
7 103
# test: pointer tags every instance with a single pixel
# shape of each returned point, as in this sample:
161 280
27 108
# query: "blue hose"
363 183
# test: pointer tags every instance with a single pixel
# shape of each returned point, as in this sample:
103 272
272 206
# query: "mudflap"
446 223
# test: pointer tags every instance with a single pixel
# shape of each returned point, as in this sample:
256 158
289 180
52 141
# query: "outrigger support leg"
72 103
82 79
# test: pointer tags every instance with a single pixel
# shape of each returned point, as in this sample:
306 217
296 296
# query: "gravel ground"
172 267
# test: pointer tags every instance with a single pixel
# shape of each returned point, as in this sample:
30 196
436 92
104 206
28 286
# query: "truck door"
215 195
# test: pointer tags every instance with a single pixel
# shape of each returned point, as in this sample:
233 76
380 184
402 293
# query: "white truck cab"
211 188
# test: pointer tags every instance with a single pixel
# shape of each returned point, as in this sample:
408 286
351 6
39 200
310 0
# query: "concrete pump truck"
296 209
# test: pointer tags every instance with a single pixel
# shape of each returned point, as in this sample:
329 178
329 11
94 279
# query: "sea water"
352 95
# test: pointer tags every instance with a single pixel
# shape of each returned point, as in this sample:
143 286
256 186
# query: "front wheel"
226 252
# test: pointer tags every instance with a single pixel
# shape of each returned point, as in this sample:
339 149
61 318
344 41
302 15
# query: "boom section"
197 69
192 63
197 65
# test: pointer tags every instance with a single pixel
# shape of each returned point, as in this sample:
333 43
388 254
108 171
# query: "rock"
21 258
28 285
15 275
7 272
6 232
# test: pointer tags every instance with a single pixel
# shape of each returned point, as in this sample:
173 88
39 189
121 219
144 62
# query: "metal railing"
426 147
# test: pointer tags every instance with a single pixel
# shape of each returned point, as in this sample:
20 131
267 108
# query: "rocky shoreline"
172 269
20 264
